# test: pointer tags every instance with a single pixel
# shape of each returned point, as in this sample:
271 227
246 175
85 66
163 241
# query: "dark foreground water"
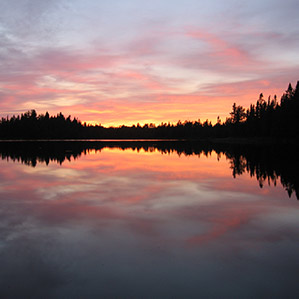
147 220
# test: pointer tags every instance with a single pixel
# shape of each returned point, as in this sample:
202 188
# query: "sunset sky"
128 61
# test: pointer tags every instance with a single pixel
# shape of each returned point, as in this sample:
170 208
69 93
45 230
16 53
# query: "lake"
148 220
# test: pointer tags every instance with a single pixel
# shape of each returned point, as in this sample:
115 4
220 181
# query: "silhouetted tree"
263 119
238 114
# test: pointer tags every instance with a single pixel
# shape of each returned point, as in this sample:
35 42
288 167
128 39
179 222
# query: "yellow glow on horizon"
163 108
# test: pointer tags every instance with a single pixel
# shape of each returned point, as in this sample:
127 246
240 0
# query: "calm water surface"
141 224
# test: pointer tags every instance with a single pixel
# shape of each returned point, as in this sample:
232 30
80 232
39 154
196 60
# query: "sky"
135 61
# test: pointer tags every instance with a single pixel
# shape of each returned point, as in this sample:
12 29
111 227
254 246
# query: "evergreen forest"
270 118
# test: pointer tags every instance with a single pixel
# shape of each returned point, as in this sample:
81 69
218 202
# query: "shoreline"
216 140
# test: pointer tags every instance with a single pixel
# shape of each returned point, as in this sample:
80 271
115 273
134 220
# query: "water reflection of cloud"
58 192
111 223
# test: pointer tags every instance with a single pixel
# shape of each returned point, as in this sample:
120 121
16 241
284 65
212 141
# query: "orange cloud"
145 82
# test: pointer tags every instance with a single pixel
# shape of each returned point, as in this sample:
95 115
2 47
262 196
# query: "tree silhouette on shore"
262 119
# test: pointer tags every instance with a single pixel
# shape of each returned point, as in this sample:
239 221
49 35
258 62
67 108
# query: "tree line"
265 118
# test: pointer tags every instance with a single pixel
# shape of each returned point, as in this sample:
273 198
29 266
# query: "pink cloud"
220 54
116 87
69 61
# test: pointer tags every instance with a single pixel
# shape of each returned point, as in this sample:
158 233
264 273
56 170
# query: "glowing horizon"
138 62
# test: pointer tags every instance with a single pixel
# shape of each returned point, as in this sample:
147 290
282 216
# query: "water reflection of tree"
238 164
267 164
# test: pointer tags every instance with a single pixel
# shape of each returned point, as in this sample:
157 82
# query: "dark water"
148 220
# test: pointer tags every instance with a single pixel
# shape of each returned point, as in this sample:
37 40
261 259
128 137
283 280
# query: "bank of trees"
265 118
32 126
268 118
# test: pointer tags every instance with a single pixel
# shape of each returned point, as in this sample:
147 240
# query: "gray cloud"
31 20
